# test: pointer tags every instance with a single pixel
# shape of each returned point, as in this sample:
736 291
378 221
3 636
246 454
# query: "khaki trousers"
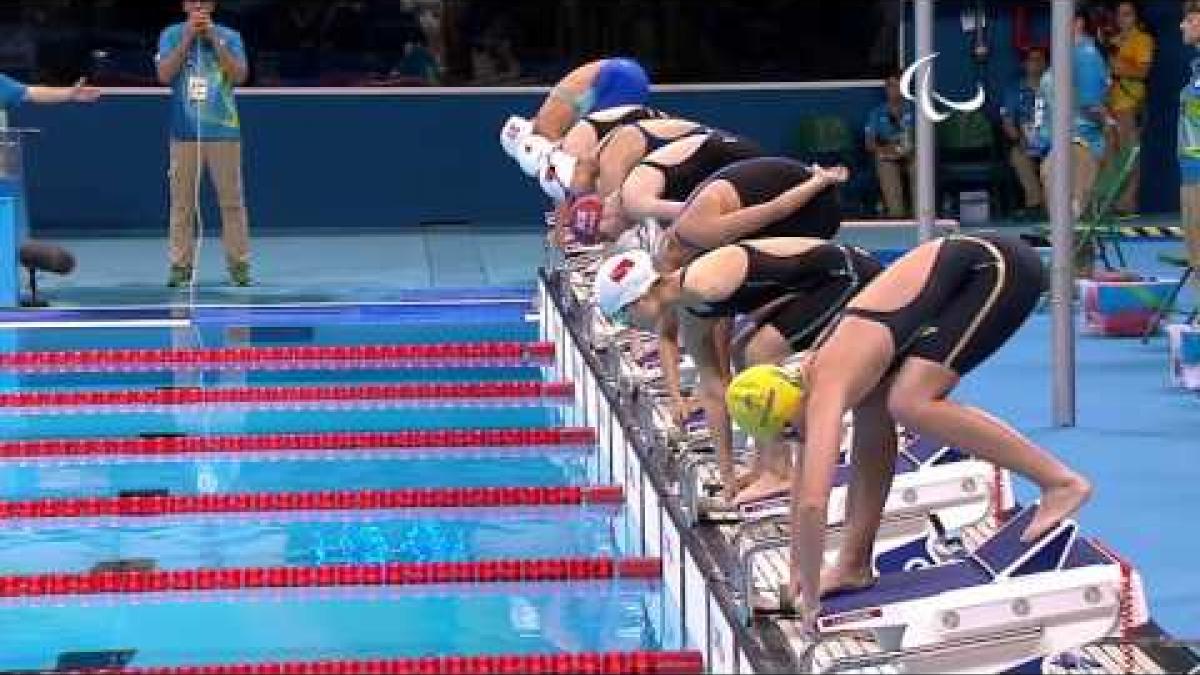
892 175
1027 174
223 161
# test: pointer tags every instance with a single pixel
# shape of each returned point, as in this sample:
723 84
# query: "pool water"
306 624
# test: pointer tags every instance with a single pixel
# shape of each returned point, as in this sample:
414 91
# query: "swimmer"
661 184
898 351
568 173
598 85
791 288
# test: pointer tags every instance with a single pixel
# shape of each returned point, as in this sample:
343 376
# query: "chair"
968 155
1168 304
1097 228
1098 225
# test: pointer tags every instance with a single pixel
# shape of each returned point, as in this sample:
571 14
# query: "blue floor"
1136 437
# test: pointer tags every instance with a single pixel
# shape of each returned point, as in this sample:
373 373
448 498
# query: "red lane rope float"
483 393
329 576
299 444
156 505
616 663
282 358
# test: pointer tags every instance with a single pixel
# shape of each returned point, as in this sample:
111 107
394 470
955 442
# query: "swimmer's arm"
812 481
669 355
713 379
639 206
557 114
744 222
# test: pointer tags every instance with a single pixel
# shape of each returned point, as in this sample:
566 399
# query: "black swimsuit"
655 142
761 179
718 151
818 282
980 291
602 126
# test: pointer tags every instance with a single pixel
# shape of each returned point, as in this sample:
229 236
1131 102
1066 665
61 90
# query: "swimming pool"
261 505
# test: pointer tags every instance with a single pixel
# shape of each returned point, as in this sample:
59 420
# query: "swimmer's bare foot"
1058 503
840 579
767 485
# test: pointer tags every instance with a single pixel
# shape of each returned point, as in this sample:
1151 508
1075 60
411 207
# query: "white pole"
1061 216
925 139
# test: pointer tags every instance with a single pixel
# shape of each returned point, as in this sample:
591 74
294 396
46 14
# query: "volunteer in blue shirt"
889 135
1091 116
1189 139
202 62
1017 116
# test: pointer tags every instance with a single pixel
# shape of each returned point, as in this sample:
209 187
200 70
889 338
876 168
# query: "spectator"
202 62
889 139
1132 54
1017 116
419 65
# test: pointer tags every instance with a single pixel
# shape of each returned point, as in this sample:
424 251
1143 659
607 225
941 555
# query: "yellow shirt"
1134 51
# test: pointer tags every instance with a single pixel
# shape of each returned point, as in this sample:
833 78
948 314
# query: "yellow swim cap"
763 399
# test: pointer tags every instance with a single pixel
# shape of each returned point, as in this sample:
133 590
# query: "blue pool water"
209 477
219 543
309 624
235 421
532 619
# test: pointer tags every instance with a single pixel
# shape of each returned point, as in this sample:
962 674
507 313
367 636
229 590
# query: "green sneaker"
181 275
239 274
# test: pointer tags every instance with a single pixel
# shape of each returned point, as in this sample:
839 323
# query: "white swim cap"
531 152
623 279
513 132
555 175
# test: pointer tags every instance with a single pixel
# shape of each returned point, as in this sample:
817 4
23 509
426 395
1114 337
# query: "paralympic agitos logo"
925 96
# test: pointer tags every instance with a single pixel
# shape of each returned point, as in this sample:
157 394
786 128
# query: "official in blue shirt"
889 138
202 62
1018 117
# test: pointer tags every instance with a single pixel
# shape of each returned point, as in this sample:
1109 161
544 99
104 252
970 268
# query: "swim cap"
623 279
513 132
762 399
585 218
531 152
555 174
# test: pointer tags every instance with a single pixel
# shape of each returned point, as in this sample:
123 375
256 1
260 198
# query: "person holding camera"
202 62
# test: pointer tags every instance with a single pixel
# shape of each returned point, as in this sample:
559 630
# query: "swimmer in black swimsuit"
659 187
597 85
900 348
565 175
582 139
792 288
756 198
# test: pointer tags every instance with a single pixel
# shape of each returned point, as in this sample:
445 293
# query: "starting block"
1005 606
936 493
1184 354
